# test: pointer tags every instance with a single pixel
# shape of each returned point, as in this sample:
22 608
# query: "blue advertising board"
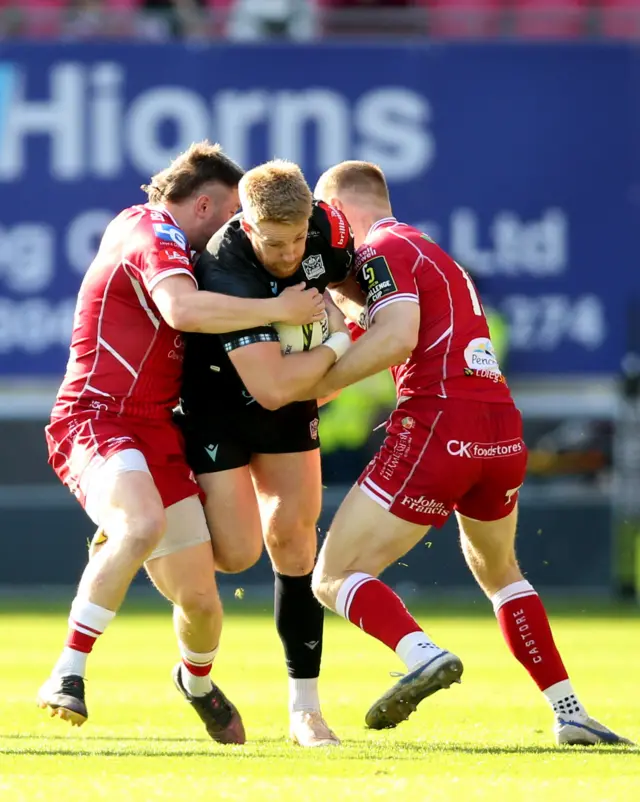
523 161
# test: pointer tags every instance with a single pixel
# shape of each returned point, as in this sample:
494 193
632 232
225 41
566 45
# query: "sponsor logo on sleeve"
176 256
170 234
363 254
339 227
376 280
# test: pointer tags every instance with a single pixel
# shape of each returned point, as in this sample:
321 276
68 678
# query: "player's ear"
203 202
337 204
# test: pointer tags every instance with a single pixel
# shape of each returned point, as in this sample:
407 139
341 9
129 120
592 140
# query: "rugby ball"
294 339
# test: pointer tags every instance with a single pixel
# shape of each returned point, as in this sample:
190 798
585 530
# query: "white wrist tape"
339 343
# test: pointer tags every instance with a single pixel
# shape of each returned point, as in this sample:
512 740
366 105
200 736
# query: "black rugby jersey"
229 265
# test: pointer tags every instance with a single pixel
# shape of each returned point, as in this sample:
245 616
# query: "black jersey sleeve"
335 230
232 275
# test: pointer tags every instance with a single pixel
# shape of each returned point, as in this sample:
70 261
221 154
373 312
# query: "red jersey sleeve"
159 249
385 273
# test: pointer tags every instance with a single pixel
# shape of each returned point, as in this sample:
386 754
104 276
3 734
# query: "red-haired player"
454 443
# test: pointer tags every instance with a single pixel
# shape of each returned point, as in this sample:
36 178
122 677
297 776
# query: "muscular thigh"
364 536
121 496
289 489
233 518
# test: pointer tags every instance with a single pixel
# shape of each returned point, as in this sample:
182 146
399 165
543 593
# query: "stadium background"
510 131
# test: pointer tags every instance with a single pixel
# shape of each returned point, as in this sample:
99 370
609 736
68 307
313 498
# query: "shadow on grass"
102 746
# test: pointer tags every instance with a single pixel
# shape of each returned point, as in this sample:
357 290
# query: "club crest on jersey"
313 266
169 233
274 287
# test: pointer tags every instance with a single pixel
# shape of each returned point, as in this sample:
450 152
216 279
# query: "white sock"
195 670
303 694
70 662
564 702
87 620
415 648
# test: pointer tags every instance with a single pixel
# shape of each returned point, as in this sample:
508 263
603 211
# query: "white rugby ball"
294 339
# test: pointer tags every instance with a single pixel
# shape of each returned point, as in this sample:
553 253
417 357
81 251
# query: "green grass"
488 739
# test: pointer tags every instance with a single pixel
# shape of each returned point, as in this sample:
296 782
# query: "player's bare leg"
489 549
363 540
131 510
187 578
289 489
233 517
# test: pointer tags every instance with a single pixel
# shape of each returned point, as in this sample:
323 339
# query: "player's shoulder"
332 225
390 237
226 265
151 225
230 241
330 247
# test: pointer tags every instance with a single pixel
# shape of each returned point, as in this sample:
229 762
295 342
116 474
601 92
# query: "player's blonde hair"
362 178
275 192
203 163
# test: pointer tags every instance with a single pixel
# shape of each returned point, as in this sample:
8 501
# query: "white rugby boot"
587 732
308 728
399 702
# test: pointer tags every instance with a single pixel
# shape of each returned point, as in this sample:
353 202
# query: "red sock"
371 605
81 638
525 627
87 622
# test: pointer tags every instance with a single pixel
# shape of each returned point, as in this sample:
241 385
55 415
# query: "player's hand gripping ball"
294 339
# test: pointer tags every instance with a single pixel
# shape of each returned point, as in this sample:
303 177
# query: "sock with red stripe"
374 607
86 622
195 670
527 632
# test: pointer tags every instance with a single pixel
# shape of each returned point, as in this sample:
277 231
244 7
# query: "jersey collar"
384 221
162 208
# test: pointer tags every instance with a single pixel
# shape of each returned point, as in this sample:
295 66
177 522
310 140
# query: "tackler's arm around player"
389 341
186 308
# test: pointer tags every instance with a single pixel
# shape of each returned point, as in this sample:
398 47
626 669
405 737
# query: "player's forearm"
213 313
349 299
300 373
378 349
352 310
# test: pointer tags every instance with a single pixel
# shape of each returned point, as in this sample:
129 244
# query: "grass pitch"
487 739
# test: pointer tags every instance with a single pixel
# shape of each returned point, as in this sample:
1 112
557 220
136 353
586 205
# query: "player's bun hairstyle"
203 163
361 178
275 192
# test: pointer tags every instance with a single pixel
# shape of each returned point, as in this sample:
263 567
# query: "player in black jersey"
255 454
